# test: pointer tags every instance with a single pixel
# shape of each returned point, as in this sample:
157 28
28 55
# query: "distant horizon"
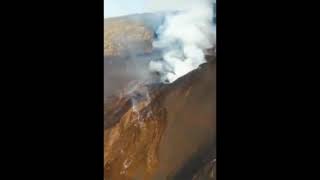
118 8
109 17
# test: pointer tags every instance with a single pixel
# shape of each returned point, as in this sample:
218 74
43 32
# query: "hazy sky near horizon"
113 8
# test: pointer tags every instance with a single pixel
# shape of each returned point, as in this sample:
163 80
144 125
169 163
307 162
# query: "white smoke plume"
185 36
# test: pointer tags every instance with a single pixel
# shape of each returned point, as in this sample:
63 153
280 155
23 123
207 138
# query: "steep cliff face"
151 130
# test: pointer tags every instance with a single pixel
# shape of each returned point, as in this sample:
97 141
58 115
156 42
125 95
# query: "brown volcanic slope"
128 49
122 35
154 130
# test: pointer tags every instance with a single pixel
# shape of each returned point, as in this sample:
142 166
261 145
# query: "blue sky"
122 7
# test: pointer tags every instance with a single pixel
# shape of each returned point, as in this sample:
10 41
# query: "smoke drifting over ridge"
184 38
183 31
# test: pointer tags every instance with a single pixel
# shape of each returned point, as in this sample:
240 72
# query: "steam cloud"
184 37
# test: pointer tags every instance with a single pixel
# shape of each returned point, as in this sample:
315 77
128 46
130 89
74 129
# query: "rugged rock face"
133 142
148 127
